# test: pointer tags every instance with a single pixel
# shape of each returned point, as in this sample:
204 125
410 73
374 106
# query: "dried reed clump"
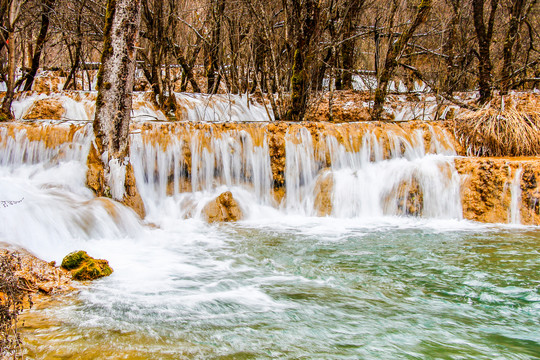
11 304
500 131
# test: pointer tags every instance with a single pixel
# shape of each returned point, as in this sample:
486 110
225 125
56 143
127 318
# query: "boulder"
84 267
224 208
323 193
45 109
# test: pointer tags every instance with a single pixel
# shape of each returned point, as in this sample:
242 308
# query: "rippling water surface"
304 288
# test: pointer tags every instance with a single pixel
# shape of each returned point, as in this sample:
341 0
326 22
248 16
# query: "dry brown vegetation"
500 130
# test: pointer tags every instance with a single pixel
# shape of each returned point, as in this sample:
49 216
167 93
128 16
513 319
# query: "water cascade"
80 106
369 170
45 166
515 202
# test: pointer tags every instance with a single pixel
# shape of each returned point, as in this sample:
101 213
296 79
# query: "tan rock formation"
48 82
406 199
347 106
323 193
36 275
94 180
223 209
487 193
48 109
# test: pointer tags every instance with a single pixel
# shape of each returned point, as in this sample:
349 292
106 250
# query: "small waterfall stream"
515 202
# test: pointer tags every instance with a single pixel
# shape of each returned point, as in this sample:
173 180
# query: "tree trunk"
451 76
71 81
212 49
392 58
484 36
12 17
109 170
46 10
511 35
303 23
348 45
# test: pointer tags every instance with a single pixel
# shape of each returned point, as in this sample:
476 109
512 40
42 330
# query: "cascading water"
195 164
515 202
80 106
45 165
375 179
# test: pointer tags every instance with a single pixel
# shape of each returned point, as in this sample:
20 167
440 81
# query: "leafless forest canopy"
286 50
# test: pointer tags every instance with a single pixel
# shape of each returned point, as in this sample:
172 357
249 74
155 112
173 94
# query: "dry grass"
501 130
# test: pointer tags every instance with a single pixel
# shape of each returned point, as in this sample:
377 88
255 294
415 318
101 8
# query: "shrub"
500 131
11 304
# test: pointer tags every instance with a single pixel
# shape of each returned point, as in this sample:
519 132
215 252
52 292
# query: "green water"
304 292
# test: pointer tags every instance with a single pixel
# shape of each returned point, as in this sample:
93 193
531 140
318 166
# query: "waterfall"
515 200
199 162
179 167
44 165
300 172
374 174
80 106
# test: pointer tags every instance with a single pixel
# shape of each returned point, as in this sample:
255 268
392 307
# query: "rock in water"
223 209
84 267
323 193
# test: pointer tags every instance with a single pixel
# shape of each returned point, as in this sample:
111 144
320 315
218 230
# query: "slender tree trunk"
450 80
3 23
14 11
212 49
188 73
46 10
71 81
484 36
5 112
348 45
392 58
511 35
109 170
303 23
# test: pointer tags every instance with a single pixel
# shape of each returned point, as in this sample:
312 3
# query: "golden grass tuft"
499 130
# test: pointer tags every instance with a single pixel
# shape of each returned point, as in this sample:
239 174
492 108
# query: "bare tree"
110 172
519 9
484 35
394 53
303 16
13 10
47 7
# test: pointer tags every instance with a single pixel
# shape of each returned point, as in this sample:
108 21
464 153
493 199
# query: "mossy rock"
92 269
84 267
74 260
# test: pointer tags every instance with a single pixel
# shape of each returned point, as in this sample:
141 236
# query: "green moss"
92 269
107 43
5 117
84 267
74 260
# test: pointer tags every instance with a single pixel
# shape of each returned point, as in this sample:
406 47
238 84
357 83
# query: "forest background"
286 51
